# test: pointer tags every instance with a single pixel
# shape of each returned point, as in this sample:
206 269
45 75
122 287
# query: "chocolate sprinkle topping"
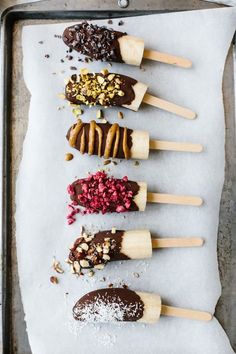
93 41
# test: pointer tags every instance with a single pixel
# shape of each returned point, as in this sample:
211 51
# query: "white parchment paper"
183 277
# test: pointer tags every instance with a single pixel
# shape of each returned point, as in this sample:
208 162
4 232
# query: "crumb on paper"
57 266
54 280
69 156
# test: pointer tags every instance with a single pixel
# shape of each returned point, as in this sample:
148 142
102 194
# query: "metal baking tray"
14 124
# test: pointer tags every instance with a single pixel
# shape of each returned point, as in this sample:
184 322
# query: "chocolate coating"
109 305
96 42
94 255
105 129
77 91
129 185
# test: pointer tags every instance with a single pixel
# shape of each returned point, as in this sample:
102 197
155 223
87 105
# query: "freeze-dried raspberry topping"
102 193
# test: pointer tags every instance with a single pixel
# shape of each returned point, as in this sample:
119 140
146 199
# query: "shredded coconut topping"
103 310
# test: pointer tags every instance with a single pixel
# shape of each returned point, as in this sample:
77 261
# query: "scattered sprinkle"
120 23
136 275
47 56
136 163
40 42
73 68
110 22
120 115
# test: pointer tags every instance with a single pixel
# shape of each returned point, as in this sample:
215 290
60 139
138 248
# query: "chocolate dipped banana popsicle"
101 43
125 305
107 194
111 140
110 89
96 250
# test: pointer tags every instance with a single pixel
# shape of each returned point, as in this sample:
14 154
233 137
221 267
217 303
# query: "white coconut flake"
103 311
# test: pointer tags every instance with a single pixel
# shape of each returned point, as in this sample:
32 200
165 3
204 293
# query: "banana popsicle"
101 43
107 194
111 140
125 305
110 89
96 250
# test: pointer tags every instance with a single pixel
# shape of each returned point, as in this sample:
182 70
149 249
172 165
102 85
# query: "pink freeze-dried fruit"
101 193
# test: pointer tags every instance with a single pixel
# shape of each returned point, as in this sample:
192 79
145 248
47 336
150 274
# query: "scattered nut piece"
120 115
106 162
104 71
99 114
99 266
77 111
115 163
136 275
91 273
113 230
104 121
76 267
62 96
69 157
57 266
110 285
54 280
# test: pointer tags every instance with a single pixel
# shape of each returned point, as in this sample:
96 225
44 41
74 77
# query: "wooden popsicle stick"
168 106
173 146
166 58
173 199
185 313
177 242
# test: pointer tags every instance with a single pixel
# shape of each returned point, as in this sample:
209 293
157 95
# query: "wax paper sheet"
183 277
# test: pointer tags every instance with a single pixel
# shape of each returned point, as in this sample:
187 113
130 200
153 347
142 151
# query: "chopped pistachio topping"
92 89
